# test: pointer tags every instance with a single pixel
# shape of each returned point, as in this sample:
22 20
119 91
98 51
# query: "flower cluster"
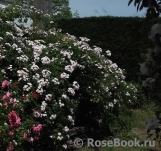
54 82
14 119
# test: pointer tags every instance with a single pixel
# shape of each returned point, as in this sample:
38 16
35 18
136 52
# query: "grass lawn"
135 128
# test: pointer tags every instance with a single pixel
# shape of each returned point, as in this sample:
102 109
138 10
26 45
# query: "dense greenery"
153 7
56 8
52 82
151 68
126 37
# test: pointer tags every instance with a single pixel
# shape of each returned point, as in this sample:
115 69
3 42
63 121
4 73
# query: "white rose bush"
52 82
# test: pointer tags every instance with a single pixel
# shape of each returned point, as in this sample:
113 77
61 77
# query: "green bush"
52 82
151 67
126 37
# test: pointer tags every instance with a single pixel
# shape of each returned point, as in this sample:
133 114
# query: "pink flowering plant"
52 82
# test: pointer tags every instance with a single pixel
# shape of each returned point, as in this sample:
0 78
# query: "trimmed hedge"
126 37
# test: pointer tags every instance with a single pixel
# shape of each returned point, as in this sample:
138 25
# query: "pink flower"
37 128
11 133
24 136
11 146
6 96
11 101
31 139
35 94
14 119
5 105
5 84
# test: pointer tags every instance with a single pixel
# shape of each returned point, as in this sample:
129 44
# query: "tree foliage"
56 8
151 68
61 9
153 7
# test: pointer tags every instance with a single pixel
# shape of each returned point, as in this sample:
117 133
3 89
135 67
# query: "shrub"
151 67
52 82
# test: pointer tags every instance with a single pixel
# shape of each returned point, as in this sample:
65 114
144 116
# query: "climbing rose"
24 136
35 94
6 96
5 84
14 119
37 128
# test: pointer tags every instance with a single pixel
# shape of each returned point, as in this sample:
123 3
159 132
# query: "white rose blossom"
55 81
64 75
27 87
48 97
71 91
34 67
45 60
46 73
75 85
53 117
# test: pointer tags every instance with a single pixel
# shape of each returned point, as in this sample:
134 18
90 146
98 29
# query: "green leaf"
141 7
135 3
138 6
129 2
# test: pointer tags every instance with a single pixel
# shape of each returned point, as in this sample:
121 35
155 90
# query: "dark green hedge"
125 37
